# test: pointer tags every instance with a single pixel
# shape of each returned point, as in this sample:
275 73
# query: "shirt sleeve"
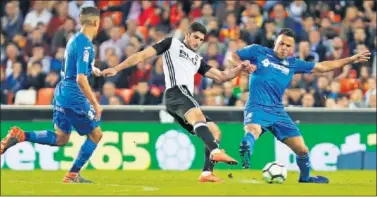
248 52
83 57
163 45
303 66
204 68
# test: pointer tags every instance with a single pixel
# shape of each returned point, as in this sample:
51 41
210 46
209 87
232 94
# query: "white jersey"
180 63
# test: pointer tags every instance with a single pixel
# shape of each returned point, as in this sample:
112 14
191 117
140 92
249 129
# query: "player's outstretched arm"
147 53
226 75
131 61
326 66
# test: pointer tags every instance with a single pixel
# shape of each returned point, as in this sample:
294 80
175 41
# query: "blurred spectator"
359 37
307 100
132 31
2 48
35 76
356 99
104 32
334 92
213 54
229 98
230 29
207 15
61 37
342 101
113 42
57 60
269 34
321 91
150 16
304 52
17 80
308 26
74 7
58 20
317 45
281 18
195 11
296 9
252 10
124 8
243 98
12 22
224 8
39 14
115 100
157 79
371 90
252 33
143 96
183 27
140 72
13 55
108 93
330 103
35 39
351 14
212 38
176 14
51 79
4 87
112 61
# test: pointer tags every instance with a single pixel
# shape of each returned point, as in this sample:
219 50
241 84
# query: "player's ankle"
216 150
206 173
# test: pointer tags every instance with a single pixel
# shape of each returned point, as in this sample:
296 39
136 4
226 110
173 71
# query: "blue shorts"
80 118
278 122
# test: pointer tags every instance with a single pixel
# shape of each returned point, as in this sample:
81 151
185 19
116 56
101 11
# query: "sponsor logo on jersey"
284 70
185 55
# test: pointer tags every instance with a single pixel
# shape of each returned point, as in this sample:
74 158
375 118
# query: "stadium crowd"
34 35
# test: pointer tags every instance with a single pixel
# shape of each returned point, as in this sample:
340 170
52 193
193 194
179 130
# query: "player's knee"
96 135
302 151
62 140
256 130
194 116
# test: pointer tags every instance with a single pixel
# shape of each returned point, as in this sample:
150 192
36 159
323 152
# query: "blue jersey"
273 75
78 59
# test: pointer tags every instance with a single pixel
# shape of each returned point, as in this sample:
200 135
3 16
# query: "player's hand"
96 72
109 72
248 67
361 57
98 110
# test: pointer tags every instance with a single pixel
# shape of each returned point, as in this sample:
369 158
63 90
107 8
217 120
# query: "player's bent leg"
46 137
252 132
86 151
207 173
298 146
196 118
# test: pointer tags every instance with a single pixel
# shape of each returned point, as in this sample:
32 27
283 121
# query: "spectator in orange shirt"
230 30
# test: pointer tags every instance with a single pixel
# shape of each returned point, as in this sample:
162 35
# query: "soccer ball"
174 151
274 172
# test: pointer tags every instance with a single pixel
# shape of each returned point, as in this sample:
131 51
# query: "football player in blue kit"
74 103
264 109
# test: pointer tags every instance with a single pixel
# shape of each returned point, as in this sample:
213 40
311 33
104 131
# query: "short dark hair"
288 32
195 26
86 12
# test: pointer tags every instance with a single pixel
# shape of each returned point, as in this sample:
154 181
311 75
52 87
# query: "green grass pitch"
244 182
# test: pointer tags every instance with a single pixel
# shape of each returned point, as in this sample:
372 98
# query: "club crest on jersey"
284 70
185 55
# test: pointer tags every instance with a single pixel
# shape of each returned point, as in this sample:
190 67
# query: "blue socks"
303 163
250 139
41 137
85 153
